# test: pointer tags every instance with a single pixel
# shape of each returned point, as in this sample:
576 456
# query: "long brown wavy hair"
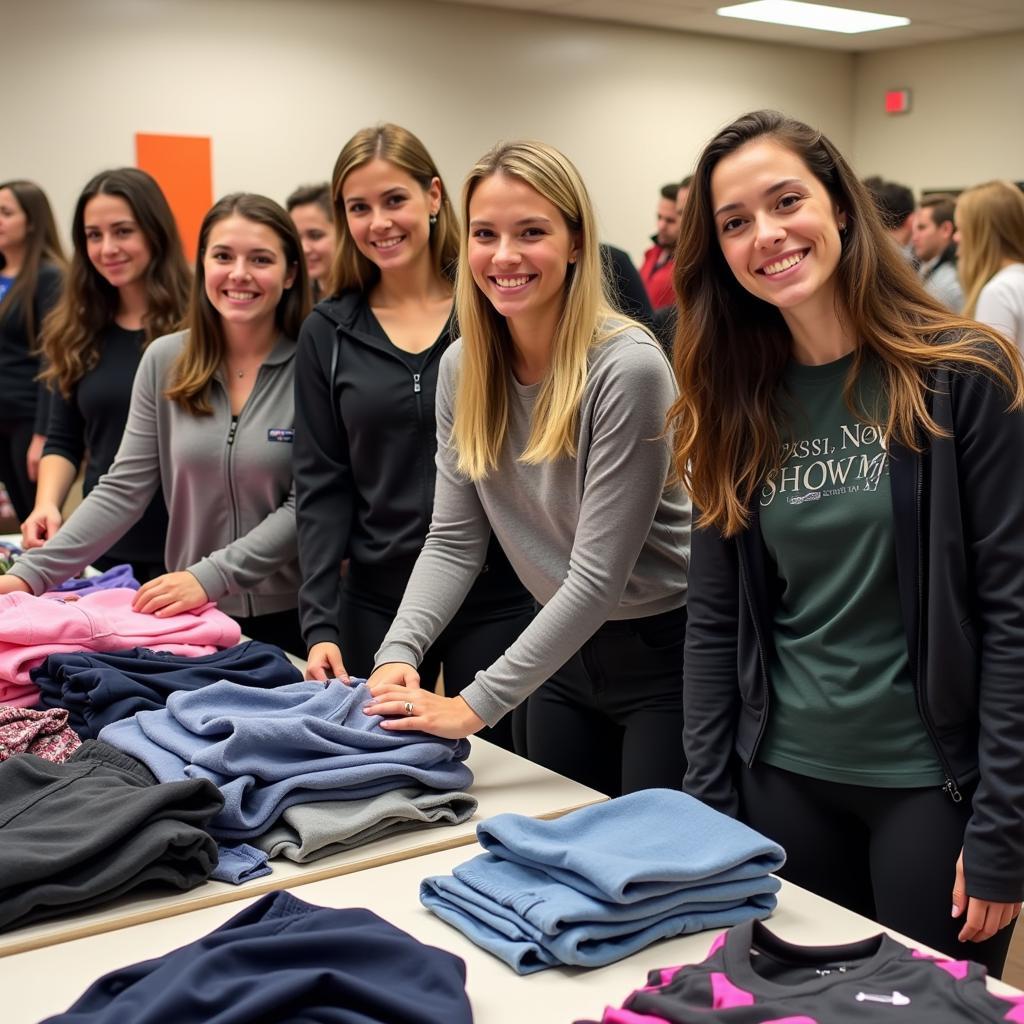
398 146
89 304
731 348
204 349
42 245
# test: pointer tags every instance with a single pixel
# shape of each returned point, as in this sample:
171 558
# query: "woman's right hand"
324 662
12 584
40 526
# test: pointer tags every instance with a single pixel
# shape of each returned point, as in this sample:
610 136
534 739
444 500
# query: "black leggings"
493 615
612 717
887 854
15 437
278 628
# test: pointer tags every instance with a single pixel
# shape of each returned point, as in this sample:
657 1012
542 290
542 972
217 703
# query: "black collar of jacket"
343 311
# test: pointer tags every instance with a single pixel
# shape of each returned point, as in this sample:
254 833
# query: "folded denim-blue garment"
269 749
605 881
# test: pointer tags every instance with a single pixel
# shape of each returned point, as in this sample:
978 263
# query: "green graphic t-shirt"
843 705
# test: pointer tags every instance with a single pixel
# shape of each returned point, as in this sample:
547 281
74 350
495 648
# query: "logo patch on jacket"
284 434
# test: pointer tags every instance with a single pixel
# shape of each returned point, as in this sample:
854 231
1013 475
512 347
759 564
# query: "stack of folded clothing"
33 627
283 960
117 577
78 834
43 733
100 688
605 881
269 750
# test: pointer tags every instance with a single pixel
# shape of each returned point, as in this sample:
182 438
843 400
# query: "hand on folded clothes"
170 594
12 584
424 711
387 677
324 662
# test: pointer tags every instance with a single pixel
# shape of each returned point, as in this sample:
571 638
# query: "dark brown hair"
731 347
204 349
71 332
42 245
305 195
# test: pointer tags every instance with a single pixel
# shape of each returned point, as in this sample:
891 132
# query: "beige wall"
966 124
280 85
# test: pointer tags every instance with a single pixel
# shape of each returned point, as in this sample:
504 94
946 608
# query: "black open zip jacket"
958 511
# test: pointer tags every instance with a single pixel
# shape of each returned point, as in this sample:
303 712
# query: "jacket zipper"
760 655
235 525
949 786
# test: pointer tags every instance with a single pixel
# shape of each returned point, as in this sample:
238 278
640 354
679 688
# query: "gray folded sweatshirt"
229 492
595 537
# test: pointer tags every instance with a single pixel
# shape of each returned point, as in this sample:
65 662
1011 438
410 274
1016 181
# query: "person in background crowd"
626 290
551 414
31 275
127 285
852 672
990 230
933 244
666 318
211 422
896 206
311 210
365 429
656 270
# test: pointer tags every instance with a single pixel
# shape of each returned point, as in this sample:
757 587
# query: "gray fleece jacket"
229 495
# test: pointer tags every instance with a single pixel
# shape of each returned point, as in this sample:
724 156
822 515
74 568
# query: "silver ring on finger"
409 709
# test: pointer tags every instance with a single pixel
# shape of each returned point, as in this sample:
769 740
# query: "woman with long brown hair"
852 672
31 275
990 233
211 423
365 376
127 285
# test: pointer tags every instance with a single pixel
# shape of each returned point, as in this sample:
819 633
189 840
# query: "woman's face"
520 249
13 222
114 242
246 271
318 238
778 228
388 214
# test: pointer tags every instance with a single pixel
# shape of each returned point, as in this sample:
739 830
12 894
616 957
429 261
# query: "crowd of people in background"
409 438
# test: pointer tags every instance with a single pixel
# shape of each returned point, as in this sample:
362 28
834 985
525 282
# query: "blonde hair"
398 146
990 219
481 402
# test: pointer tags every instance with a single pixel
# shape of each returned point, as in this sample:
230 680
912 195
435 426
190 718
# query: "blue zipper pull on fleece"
416 389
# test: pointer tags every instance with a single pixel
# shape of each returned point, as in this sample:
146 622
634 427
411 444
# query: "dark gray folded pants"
78 834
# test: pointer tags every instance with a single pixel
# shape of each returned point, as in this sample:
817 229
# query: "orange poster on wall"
183 167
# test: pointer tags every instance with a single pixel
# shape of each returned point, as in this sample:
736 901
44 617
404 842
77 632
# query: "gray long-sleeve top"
593 538
229 493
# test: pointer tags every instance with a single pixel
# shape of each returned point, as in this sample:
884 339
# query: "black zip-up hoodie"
365 440
958 511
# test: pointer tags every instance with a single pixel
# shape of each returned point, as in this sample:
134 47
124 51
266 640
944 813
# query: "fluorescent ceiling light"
816 16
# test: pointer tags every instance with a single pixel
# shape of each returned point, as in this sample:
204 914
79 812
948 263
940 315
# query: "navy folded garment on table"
267 750
78 834
602 882
283 961
100 688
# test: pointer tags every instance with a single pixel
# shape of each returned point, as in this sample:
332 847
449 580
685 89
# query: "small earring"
433 219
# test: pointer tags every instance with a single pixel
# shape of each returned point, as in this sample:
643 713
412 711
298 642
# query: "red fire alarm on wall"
897 101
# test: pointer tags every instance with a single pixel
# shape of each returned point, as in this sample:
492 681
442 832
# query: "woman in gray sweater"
550 419
211 423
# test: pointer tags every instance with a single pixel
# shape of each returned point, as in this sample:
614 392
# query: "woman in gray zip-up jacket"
211 422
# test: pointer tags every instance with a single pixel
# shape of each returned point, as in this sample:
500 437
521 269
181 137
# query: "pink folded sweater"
33 627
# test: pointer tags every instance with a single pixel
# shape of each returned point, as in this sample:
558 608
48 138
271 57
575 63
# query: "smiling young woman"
127 285
311 209
31 276
366 434
211 405
550 437
854 642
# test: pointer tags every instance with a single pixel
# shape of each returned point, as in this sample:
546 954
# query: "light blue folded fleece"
602 882
268 749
